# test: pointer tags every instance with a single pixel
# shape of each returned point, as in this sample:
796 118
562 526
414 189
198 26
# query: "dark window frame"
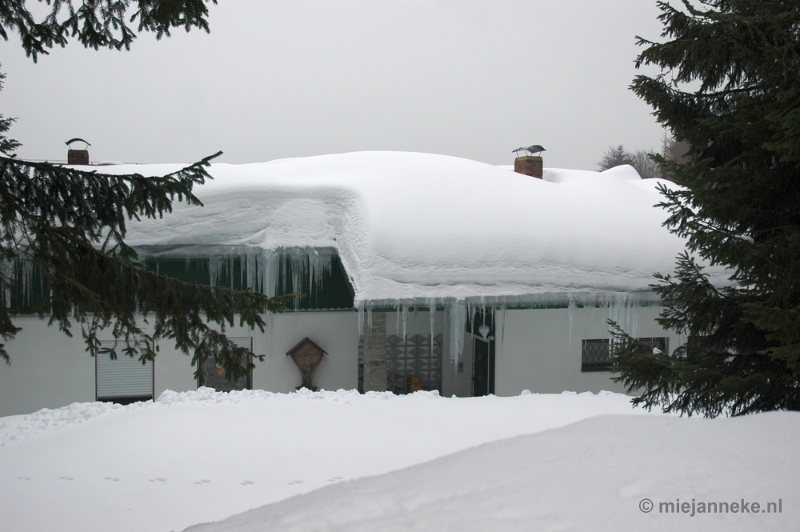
596 352
595 355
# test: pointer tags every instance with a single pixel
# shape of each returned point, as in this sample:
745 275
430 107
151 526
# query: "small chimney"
80 157
531 165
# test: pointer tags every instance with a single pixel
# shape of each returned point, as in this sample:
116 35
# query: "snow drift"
607 473
202 455
573 462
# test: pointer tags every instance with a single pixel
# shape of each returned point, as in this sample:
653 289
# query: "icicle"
369 319
283 272
297 263
215 269
624 311
458 318
250 281
571 311
273 262
431 317
360 317
405 322
313 266
397 312
502 332
470 317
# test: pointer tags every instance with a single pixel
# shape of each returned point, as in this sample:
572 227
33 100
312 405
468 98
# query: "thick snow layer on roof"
413 226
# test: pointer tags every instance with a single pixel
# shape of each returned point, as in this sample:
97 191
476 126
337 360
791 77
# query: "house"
468 278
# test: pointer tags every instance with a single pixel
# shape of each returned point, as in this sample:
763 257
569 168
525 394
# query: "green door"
482 367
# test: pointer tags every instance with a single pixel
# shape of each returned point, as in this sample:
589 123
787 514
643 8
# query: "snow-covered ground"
532 462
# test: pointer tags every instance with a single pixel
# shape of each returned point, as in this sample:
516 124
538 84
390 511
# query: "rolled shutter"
125 378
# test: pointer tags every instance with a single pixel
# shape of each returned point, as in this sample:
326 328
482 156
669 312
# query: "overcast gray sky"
291 78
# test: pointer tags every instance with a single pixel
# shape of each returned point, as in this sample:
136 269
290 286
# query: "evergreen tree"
69 224
730 89
98 23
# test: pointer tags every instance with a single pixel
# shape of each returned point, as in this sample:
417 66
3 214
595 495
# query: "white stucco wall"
48 369
540 349
335 331
536 349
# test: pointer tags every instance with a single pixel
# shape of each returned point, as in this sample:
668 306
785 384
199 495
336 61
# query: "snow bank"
200 456
417 227
607 473
532 462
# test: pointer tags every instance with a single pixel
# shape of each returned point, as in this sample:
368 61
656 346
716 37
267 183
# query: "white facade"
49 369
534 349
540 349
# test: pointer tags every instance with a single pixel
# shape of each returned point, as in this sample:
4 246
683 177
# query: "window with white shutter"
124 380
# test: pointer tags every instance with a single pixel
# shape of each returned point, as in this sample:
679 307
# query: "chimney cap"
536 148
77 139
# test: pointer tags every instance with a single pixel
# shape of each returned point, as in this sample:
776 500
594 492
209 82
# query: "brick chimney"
80 157
531 165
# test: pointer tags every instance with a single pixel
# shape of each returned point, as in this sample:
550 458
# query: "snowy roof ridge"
415 226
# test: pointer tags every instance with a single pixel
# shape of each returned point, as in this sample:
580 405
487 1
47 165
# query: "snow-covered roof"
414 226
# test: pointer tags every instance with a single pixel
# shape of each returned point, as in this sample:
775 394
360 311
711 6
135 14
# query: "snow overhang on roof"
421 227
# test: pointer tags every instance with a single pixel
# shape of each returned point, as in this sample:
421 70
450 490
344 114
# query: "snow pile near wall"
576 462
418 227
199 456
603 474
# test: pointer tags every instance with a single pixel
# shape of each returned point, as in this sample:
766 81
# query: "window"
124 380
659 343
406 359
214 375
411 357
596 355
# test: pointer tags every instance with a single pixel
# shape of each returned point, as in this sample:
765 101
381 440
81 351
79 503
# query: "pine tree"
730 89
98 23
69 225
